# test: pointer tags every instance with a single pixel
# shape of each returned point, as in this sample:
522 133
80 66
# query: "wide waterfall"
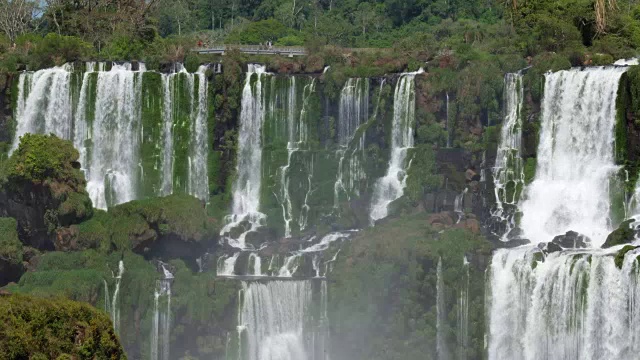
277 322
391 186
575 303
508 172
246 189
575 157
116 119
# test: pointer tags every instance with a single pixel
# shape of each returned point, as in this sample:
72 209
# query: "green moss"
27 325
151 148
530 170
619 259
10 245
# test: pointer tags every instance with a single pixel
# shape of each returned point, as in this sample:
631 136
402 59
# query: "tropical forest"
319 179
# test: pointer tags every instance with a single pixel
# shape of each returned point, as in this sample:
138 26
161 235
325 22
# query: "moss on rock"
33 328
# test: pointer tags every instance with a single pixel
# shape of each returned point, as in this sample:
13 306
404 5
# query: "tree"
16 16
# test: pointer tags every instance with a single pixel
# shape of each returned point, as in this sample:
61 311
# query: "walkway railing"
289 51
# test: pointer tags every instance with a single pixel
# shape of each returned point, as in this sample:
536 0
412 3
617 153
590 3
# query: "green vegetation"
383 291
10 246
32 328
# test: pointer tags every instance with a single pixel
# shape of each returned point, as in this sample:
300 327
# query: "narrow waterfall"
463 313
391 186
246 189
575 156
570 304
113 166
115 118
112 305
161 327
441 316
353 112
289 107
508 172
276 321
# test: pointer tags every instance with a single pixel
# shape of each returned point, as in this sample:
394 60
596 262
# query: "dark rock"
572 240
549 248
516 242
622 235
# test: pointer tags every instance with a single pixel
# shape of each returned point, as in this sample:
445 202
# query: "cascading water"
44 103
575 305
463 313
353 112
441 317
508 172
246 189
161 327
107 126
111 170
575 156
276 322
391 186
570 304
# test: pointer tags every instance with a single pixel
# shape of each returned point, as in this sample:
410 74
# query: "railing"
255 50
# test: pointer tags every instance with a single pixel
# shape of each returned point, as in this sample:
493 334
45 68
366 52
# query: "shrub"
259 32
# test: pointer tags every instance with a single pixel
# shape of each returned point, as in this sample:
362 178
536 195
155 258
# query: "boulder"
550 247
572 240
624 234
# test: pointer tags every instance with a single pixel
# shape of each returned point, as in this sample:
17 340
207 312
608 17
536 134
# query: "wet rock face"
625 233
572 240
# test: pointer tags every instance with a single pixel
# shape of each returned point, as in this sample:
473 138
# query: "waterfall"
463 313
391 186
571 304
508 172
276 321
179 87
115 307
246 189
112 168
103 115
44 103
448 123
353 112
441 316
226 264
285 102
161 327
575 156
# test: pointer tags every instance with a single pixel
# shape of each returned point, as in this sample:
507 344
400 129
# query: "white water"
463 313
508 172
115 306
44 103
246 189
576 304
226 264
161 327
575 157
353 112
113 167
109 137
441 316
571 306
273 317
391 186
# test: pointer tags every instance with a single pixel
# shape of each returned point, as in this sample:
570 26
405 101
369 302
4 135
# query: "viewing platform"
289 51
